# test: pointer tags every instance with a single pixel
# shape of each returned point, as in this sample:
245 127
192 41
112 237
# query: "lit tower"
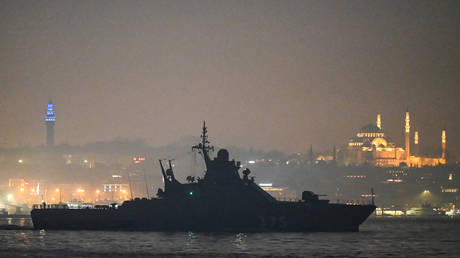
50 119
407 129
416 143
443 143
379 122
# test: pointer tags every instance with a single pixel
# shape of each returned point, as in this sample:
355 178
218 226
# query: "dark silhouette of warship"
220 201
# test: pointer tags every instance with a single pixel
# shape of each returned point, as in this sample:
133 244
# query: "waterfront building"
279 193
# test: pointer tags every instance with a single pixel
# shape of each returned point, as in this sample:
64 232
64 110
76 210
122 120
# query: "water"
379 237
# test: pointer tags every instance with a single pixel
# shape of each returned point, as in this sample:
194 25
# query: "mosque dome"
371 128
379 142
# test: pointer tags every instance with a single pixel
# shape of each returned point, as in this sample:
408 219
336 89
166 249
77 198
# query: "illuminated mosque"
371 146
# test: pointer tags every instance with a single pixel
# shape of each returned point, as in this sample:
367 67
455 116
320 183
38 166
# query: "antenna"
162 169
203 146
170 166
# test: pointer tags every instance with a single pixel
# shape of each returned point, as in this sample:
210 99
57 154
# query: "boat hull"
285 216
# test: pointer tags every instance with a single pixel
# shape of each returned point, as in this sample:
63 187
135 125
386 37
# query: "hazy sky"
263 74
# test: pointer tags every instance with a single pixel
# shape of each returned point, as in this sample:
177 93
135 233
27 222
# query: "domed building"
372 147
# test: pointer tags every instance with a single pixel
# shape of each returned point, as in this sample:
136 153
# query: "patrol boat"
220 201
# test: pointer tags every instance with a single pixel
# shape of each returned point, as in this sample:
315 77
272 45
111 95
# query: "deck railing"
45 206
49 206
347 202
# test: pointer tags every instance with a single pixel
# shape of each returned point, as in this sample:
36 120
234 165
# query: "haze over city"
263 74
235 128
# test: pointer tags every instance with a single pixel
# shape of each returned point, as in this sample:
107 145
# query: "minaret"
379 122
443 144
334 155
407 130
50 119
416 144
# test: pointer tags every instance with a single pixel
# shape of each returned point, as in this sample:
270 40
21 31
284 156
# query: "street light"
98 192
60 196
426 196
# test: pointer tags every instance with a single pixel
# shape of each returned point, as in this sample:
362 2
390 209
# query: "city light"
20 161
85 161
98 191
60 195
426 192
9 197
138 159
79 190
266 184
50 117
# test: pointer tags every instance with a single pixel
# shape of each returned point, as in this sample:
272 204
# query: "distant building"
50 119
371 146
280 193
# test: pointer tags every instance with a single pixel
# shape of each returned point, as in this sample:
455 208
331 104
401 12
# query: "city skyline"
262 74
411 137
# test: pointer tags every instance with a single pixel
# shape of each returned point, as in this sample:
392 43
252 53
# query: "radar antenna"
203 147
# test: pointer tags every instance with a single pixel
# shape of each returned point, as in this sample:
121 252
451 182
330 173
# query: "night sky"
263 74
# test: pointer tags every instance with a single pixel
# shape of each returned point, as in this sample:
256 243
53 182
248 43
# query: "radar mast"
203 147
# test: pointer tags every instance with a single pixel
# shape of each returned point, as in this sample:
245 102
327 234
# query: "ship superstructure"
221 200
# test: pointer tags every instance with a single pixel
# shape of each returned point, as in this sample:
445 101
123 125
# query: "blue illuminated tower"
50 119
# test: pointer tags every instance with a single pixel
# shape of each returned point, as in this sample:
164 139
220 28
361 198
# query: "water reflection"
190 239
240 241
381 237
41 237
21 222
22 239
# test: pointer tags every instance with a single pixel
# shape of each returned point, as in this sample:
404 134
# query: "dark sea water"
379 237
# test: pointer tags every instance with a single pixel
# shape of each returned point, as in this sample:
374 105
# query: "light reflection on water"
239 241
22 222
378 237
